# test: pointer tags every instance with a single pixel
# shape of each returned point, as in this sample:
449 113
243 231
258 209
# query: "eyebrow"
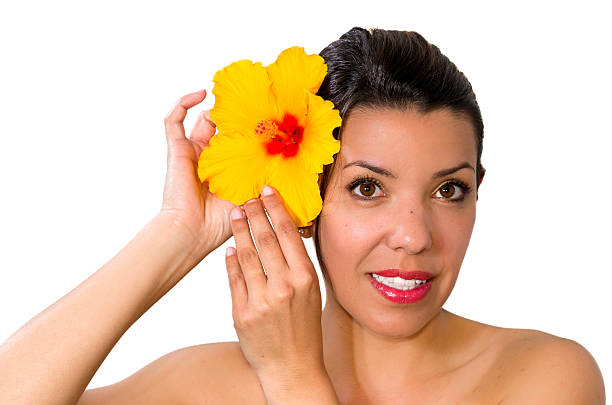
385 172
369 166
451 170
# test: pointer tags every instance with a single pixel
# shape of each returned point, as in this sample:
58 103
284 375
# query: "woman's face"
393 203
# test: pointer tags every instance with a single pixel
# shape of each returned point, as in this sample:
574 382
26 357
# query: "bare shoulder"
540 368
218 373
211 373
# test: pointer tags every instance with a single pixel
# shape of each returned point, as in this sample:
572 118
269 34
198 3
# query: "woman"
399 200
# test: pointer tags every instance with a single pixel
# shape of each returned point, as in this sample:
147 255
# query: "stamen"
281 137
266 129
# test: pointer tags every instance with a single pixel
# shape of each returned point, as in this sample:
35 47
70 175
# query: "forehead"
393 137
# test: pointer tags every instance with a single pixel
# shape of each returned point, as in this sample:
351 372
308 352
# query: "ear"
482 174
306 231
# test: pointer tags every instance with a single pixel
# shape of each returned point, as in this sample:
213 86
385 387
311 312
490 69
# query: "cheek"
454 233
344 236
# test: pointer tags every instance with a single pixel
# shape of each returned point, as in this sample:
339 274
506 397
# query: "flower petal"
237 163
294 73
299 190
243 96
318 146
234 166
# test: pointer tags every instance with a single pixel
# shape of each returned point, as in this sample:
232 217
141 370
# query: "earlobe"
305 232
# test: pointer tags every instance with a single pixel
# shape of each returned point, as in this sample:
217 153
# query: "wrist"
178 228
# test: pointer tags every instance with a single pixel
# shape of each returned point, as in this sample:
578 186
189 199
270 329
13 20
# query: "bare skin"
412 220
52 358
379 351
375 351
498 365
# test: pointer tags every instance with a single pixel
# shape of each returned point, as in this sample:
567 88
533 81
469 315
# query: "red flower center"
281 137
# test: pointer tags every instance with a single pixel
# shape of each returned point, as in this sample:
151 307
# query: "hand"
277 315
186 200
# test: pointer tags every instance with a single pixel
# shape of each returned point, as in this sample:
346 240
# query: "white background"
84 89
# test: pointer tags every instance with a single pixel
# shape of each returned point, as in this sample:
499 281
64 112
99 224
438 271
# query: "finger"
285 229
174 119
266 242
202 131
247 255
204 128
236 280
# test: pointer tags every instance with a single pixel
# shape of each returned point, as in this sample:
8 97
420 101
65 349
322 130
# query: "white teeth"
398 282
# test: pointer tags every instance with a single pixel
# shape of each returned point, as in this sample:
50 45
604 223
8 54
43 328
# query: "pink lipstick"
406 275
400 296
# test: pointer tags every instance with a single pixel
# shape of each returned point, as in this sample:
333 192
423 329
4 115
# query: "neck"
359 360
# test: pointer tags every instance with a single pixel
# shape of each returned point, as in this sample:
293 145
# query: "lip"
406 275
402 297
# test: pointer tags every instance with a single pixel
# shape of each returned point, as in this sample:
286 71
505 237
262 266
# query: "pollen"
266 129
281 137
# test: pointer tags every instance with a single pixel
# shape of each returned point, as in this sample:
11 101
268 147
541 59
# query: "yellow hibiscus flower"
274 130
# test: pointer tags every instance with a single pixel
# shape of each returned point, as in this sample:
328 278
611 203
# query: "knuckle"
235 279
284 292
237 325
250 319
243 319
247 256
304 280
266 239
168 118
171 119
168 127
238 321
287 228
261 310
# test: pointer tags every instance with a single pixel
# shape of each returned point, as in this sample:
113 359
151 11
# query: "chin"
391 321
396 326
399 324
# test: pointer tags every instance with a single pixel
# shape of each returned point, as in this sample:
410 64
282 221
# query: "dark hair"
393 69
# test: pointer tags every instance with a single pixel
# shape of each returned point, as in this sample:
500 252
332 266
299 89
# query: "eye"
453 191
366 188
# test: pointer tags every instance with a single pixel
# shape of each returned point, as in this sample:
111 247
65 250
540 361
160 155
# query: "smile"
400 292
398 282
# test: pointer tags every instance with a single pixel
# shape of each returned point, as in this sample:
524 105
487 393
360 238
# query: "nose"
409 230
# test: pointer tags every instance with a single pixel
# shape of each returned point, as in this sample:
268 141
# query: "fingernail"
237 213
267 190
230 251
